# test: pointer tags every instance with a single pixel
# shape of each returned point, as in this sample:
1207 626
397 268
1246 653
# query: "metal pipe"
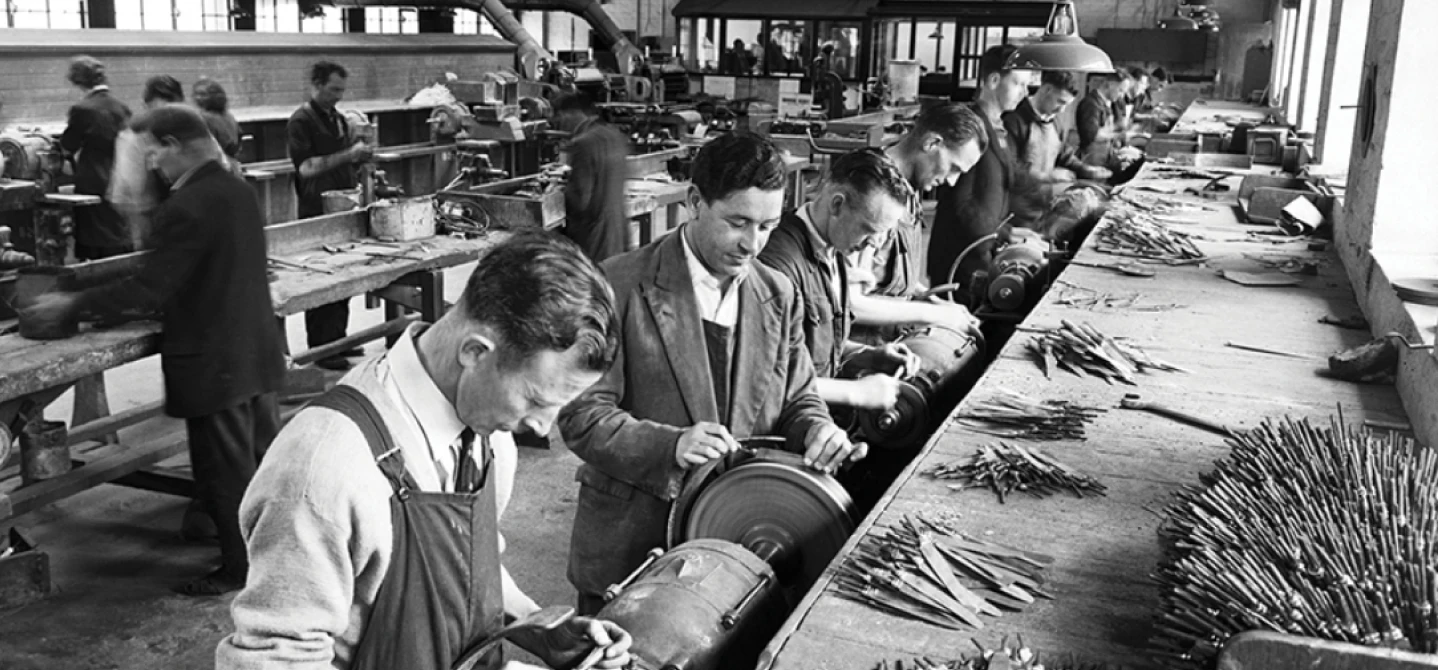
530 51
591 11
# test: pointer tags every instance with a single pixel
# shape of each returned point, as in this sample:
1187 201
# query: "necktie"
467 478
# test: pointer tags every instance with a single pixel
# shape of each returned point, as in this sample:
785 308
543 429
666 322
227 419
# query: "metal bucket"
703 605
44 451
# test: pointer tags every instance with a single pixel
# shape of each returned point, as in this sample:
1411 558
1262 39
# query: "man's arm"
878 310
300 147
1089 119
75 130
180 248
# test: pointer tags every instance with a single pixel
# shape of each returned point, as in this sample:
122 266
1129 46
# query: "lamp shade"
1061 48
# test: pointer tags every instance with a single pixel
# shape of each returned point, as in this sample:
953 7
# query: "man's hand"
896 359
703 442
957 317
572 641
50 308
360 152
827 446
878 391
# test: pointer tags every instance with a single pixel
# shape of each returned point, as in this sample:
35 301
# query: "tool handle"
1190 419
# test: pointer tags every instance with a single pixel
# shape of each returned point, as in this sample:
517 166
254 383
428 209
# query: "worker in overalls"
372 525
325 156
712 348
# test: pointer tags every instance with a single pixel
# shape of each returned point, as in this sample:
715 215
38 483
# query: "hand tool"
299 266
536 622
1265 350
402 257
339 248
1134 401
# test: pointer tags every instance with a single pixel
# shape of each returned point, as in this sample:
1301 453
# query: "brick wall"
256 69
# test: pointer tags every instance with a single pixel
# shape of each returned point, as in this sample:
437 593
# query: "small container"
34 281
402 220
44 451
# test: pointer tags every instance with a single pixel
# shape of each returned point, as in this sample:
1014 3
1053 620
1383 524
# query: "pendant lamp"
1061 48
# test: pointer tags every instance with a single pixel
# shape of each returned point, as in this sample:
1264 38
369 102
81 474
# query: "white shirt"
826 250
715 304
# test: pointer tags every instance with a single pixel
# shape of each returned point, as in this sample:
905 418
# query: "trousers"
225 450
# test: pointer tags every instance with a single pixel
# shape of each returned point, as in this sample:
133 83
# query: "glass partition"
743 50
839 47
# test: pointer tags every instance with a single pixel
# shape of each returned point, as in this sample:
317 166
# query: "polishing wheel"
792 517
1421 290
904 426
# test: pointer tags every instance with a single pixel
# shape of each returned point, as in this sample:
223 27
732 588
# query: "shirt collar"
434 412
822 246
98 89
700 274
185 178
1033 110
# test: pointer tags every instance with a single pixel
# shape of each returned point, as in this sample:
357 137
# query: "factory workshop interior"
1020 334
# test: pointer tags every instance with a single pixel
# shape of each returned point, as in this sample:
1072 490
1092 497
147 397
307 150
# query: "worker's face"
856 222
944 163
1140 86
498 393
164 155
331 92
1010 88
729 232
1052 100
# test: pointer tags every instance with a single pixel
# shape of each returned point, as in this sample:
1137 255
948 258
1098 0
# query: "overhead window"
839 46
743 52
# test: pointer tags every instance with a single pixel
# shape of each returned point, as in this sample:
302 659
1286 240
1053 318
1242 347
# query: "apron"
442 592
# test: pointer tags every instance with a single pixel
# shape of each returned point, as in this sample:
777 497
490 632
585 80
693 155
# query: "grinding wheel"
791 516
905 426
1420 290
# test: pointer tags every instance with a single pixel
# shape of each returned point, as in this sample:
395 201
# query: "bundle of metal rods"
1081 349
1011 414
1006 657
1138 236
1327 533
925 570
1005 468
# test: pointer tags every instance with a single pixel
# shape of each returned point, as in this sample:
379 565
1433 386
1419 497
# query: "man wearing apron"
372 525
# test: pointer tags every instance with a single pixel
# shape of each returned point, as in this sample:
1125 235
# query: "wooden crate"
507 210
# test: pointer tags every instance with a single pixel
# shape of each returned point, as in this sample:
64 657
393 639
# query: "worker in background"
594 198
1095 118
325 156
89 138
221 353
712 347
373 527
1038 143
214 104
136 188
973 209
862 198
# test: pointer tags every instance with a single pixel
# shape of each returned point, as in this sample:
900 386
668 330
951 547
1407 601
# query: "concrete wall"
255 69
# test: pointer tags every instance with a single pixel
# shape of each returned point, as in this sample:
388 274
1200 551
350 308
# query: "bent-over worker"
373 528
712 348
221 352
1038 142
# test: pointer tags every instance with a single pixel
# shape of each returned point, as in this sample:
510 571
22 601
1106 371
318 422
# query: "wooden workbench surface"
29 366
1209 116
1107 547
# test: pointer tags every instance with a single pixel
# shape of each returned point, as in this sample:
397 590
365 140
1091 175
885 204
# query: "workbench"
42 370
1107 547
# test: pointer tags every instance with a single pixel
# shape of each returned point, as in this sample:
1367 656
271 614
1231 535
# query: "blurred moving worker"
221 353
214 104
978 203
862 198
136 188
712 346
89 138
373 526
594 200
325 156
1038 142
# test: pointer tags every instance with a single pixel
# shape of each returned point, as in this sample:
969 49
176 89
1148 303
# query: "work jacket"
827 315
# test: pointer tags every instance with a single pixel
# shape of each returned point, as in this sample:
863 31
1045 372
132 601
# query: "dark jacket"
310 133
1038 144
827 315
94 124
594 210
626 426
1094 116
226 131
972 208
221 344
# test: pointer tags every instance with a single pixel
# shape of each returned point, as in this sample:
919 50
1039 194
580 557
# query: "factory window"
330 20
1338 116
43 14
1294 81
200 15
1313 66
786 54
391 20
839 45
1283 57
899 38
743 49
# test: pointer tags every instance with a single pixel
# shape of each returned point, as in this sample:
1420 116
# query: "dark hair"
181 122
1137 72
542 293
995 61
320 72
1062 80
1122 75
1160 74
86 71
955 122
577 101
736 161
163 87
868 171
210 96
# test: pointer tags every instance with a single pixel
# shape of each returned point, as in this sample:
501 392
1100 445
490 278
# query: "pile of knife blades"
1006 657
1011 414
924 570
1082 350
1138 236
1006 468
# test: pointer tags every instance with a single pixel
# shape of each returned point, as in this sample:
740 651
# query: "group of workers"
364 533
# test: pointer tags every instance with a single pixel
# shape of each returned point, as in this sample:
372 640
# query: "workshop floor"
115 552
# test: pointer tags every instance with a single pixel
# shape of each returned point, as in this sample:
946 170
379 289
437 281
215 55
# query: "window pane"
839 46
927 49
686 44
30 13
158 15
904 40
1025 35
787 52
127 15
742 53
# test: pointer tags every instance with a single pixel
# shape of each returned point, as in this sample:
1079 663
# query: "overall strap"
348 400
